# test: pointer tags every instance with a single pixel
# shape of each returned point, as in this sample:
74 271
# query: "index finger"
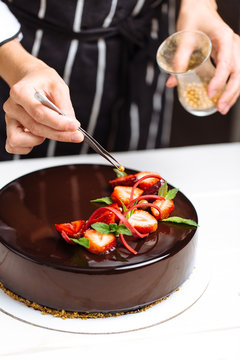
184 51
24 96
223 66
174 53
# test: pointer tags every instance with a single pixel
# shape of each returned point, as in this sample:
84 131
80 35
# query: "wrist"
188 4
16 62
198 16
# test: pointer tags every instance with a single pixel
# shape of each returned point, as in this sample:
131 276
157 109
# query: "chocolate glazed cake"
38 265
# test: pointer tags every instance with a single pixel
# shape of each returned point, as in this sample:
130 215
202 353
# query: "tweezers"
88 138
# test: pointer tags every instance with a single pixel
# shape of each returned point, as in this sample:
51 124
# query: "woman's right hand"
28 122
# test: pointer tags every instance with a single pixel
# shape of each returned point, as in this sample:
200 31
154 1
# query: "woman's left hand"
226 49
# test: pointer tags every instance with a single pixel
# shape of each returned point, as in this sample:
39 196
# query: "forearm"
16 62
196 14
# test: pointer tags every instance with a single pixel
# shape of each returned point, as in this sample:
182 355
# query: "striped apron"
105 51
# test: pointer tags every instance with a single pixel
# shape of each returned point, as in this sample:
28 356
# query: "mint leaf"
168 195
111 228
101 227
105 200
122 229
82 241
179 220
125 209
119 173
163 190
123 206
129 214
171 194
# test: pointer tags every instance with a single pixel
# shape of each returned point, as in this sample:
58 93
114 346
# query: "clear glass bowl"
186 54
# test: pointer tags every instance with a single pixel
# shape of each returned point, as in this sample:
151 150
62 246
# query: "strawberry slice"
74 229
67 238
107 217
127 180
98 242
123 193
147 183
166 208
153 190
143 222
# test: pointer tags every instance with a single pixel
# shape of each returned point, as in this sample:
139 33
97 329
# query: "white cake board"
178 302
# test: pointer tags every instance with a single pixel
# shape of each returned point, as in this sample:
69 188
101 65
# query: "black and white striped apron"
105 51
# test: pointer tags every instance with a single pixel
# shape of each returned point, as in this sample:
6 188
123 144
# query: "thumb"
223 67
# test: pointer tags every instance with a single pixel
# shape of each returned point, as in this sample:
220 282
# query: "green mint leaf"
123 206
105 200
179 220
129 214
125 209
163 190
101 227
122 229
113 227
82 241
171 194
119 173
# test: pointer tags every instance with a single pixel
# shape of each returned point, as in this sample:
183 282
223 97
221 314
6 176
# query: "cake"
39 266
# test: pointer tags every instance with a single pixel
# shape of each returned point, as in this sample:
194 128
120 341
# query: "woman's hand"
28 122
226 49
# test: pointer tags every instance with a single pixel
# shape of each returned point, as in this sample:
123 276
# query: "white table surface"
210 177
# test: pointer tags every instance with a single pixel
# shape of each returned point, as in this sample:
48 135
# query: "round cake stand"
175 304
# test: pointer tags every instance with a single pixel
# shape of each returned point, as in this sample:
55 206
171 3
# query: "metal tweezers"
88 138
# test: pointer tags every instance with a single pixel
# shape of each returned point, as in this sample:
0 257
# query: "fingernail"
77 136
223 108
73 125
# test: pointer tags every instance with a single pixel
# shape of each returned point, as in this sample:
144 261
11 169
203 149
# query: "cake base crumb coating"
74 314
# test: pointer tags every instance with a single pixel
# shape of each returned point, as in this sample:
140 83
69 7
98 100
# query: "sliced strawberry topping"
98 242
153 190
74 229
127 180
166 208
144 199
136 192
106 216
148 182
122 220
143 222
66 237
123 194
79 227
139 181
